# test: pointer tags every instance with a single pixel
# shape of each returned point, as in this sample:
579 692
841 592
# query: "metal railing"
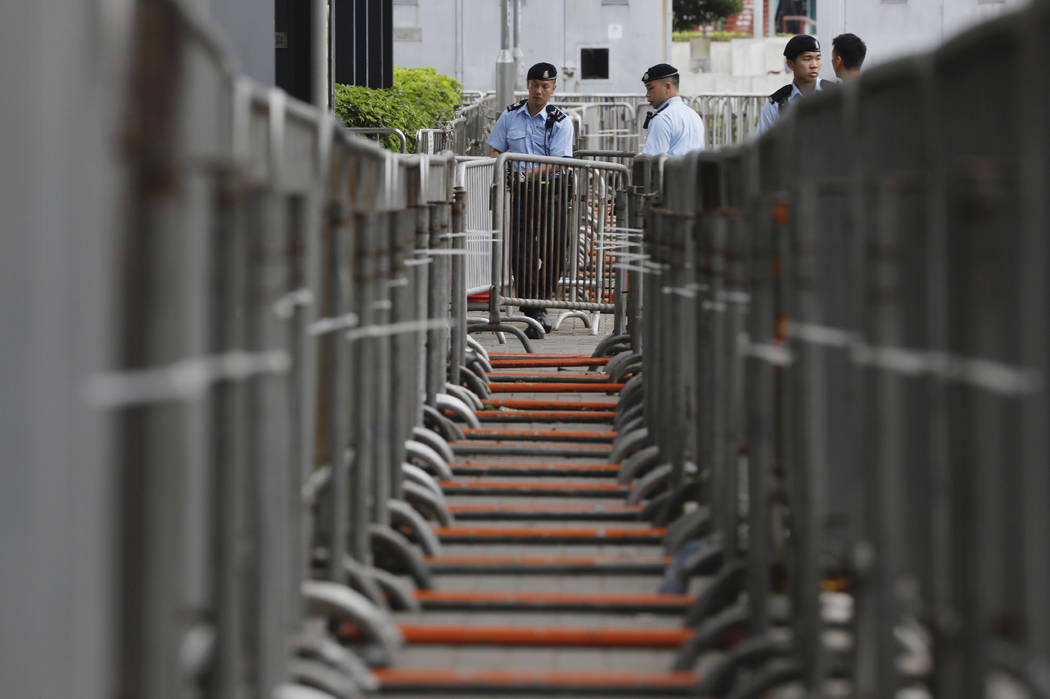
236 343
556 236
256 383
380 131
728 119
465 133
604 125
837 395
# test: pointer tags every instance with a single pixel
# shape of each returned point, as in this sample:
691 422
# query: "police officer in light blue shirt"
674 128
532 125
802 55
538 225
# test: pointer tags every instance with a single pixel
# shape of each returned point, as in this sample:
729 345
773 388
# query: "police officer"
802 54
674 128
538 222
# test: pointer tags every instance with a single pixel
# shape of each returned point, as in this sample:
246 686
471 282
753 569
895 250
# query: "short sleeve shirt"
771 112
675 129
517 132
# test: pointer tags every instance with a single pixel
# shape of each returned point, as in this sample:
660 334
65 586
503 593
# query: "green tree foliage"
692 13
421 98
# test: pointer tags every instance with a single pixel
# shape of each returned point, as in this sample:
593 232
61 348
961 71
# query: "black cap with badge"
659 72
542 71
800 44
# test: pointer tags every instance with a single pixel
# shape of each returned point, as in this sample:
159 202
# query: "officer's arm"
498 138
769 116
658 140
561 143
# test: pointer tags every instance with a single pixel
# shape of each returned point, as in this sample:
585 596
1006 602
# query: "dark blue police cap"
659 72
542 71
800 44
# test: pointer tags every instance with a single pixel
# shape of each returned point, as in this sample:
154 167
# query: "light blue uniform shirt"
771 112
675 129
517 132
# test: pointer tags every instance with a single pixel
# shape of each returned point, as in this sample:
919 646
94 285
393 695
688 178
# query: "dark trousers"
538 238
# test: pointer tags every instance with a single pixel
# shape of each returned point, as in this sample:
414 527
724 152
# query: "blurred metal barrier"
836 394
380 131
265 348
466 132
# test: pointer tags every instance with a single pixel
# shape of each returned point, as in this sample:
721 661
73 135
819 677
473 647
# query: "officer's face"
540 92
657 92
806 67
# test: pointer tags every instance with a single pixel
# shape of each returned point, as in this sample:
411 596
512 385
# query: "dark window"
594 64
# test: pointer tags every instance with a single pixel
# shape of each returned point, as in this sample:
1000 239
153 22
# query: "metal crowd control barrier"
836 396
465 133
556 238
238 347
475 176
728 119
604 125
380 131
262 411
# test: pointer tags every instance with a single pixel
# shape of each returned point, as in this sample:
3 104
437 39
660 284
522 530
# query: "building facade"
896 28
597 45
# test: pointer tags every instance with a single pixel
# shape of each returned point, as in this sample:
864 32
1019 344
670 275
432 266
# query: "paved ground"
524 623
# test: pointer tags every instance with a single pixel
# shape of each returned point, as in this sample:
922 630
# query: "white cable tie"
454 253
735 296
899 360
685 293
327 325
184 379
994 377
397 282
821 334
417 263
631 268
772 354
285 306
382 305
408 326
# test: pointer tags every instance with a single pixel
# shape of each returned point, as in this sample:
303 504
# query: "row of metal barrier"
837 399
265 360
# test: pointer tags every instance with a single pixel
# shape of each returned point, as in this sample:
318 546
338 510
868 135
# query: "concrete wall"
248 25
461 38
742 66
895 28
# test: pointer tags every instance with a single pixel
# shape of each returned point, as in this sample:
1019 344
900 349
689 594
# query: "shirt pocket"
516 140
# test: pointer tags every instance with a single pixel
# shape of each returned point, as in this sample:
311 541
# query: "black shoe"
532 333
545 321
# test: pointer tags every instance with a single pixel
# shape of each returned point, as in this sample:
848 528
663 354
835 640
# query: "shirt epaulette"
517 105
780 96
650 115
